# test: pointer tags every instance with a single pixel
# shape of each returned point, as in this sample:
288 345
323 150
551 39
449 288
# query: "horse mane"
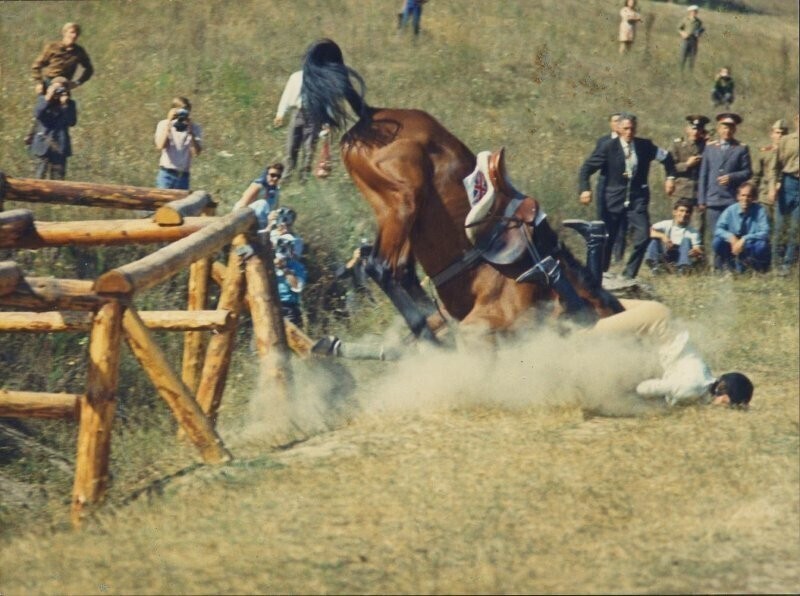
328 83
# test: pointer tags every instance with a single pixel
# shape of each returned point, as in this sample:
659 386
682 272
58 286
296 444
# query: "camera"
59 91
285 216
181 116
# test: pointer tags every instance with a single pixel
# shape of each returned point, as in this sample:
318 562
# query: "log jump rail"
105 309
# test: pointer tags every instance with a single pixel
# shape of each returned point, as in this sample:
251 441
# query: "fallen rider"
685 379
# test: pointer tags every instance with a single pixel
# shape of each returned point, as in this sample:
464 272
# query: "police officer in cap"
687 154
724 167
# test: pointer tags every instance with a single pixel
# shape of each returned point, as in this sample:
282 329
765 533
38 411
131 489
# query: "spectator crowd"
732 210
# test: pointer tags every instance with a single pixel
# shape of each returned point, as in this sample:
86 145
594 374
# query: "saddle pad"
480 192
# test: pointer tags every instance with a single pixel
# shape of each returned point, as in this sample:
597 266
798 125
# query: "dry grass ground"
534 471
465 482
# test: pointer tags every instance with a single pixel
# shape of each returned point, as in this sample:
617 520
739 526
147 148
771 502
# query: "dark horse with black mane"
489 270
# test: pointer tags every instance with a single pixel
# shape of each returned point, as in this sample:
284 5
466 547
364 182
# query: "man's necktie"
628 161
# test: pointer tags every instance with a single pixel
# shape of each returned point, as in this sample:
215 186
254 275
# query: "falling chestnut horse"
488 272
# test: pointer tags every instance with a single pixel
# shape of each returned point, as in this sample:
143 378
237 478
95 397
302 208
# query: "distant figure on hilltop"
627 26
722 94
690 30
412 9
61 59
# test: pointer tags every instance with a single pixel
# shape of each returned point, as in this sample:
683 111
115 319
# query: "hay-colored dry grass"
507 473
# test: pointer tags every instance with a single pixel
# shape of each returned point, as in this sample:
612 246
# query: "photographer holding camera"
55 113
179 139
291 277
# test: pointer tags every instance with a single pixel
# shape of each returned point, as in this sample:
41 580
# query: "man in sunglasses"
263 194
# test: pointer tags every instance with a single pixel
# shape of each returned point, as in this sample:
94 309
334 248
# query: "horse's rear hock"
414 317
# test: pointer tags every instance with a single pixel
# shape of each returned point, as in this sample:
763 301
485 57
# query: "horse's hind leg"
415 317
410 281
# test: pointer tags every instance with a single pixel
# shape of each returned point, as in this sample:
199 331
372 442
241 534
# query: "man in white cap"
690 29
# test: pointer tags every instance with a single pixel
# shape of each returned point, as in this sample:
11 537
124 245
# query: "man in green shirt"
690 29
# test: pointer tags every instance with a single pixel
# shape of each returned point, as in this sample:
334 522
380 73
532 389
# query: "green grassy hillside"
457 497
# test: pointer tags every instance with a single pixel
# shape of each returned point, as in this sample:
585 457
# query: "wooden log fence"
85 194
104 308
104 232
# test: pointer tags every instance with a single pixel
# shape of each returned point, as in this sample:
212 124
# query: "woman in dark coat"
55 113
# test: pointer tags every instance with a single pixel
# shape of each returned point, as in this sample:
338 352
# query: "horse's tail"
328 82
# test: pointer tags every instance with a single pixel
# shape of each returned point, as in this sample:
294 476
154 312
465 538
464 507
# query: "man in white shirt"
302 131
673 242
686 378
179 139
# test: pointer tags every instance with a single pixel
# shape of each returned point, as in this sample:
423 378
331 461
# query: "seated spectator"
722 94
263 194
291 278
674 242
741 238
54 114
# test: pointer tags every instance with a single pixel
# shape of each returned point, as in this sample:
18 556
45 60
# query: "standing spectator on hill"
741 238
302 131
687 154
626 161
690 30
263 194
412 10
627 26
179 139
674 242
725 166
54 113
61 59
786 173
722 93
764 166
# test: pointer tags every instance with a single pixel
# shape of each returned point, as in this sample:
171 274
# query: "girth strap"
467 260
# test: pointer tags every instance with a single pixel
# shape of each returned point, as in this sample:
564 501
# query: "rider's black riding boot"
595 235
548 272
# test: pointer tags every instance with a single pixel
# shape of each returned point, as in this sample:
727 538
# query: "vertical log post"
199 274
97 410
220 347
188 414
268 327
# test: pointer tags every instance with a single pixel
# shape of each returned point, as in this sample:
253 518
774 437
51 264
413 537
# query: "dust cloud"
541 369
544 369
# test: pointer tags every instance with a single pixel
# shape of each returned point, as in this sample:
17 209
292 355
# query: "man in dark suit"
725 166
626 162
618 248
